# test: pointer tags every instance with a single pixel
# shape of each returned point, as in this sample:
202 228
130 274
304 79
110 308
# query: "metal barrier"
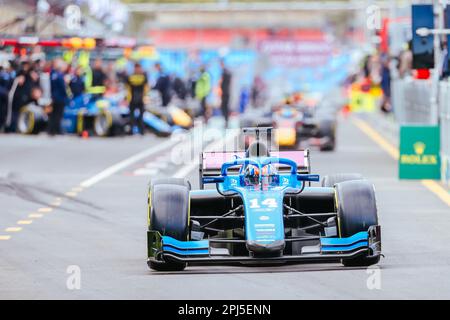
411 101
444 114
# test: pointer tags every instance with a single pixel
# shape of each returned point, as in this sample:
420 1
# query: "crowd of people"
54 83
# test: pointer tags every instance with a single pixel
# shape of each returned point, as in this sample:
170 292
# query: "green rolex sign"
419 152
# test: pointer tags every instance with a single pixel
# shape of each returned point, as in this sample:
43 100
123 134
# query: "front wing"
164 248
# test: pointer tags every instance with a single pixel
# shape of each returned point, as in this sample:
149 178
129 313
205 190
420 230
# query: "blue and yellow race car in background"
263 210
100 116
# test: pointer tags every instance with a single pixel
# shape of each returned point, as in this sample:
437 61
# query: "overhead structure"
147 7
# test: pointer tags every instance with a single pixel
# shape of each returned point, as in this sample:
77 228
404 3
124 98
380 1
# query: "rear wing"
211 162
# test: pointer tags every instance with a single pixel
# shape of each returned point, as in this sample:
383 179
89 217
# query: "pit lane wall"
444 114
411 103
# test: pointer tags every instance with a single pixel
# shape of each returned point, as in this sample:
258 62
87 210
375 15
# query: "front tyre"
357 211
168 213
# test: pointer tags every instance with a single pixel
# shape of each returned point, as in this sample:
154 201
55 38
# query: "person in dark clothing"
99 77
386 86
258 91
137 85
225 86
191 83
59 97
77 84
164 86
5 85
180 89
21 93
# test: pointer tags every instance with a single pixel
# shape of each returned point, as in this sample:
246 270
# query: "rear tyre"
330 181
32 120
107 123
169 215
357 211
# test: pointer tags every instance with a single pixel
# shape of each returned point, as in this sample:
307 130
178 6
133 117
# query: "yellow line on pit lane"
437 189
23 222
431 185
35 215
71 194
56 203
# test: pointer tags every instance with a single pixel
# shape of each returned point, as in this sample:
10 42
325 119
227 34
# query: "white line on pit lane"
127 162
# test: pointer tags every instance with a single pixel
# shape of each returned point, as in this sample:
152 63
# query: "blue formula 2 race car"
109 116
262 211
100 116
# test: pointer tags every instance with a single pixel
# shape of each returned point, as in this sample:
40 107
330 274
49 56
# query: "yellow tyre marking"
149 207
5 238
336 204
71 194
13 229
45 210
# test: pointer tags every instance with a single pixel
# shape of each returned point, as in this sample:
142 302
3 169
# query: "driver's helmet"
252 175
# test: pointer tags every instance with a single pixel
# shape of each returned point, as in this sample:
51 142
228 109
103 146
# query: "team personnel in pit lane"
59 96
225 87
137 85
163 85
6 81
202 90
77 83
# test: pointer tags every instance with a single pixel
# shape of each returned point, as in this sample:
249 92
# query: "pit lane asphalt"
101 229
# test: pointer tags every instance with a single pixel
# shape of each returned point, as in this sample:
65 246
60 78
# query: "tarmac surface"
72 205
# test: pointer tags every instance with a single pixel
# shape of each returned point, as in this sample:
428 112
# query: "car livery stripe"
360 236
362 244
185 245
169 249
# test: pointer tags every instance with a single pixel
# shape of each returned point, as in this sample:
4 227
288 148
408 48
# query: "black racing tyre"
107 123
357 211
330 181
32 120
169 214
327 129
